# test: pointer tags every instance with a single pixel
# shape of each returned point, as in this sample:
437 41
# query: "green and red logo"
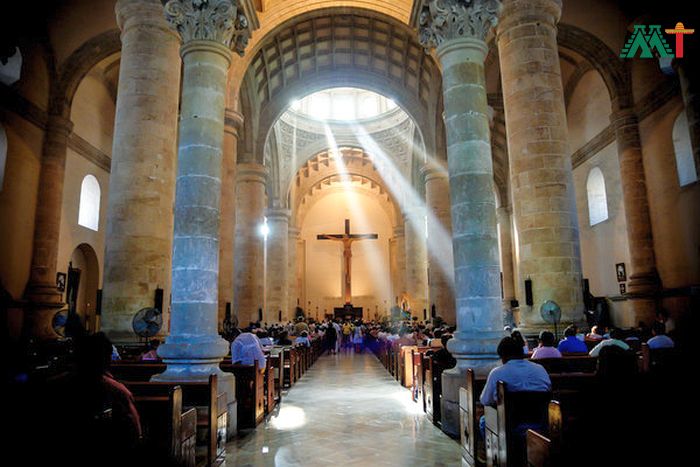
649 42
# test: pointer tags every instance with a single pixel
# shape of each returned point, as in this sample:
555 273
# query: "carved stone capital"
222 21
440 21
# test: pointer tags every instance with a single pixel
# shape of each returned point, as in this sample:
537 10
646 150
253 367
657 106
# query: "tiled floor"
346 410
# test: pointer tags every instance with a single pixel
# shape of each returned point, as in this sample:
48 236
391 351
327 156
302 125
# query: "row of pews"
190 422
555 420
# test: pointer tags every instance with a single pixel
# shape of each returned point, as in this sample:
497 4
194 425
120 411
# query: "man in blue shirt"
517 374
571 343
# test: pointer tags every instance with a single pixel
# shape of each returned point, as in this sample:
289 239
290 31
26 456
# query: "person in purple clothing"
570 343
546 348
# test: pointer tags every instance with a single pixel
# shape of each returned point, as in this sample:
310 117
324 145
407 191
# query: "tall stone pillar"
440 260
505 230
233 122
643 279
194 348
138 241
416 261
540 162
43 296
294 291
277 256
689 78
249 263
397 252
458 29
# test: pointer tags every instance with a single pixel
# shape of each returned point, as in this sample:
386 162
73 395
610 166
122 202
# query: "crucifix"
347 238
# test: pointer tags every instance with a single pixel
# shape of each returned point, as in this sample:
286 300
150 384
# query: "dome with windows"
343 104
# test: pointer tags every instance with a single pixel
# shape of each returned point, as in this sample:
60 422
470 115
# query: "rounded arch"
602 59
349 47
85 270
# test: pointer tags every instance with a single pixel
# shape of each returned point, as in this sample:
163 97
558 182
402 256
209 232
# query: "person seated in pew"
521 340
283 339
436 341
303 339
151 354
265 339
660 340
595 334
516 373
442 356
546 348
570 343
615 339
246 350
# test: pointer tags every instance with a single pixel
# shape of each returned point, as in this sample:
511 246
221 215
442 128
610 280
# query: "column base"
44 302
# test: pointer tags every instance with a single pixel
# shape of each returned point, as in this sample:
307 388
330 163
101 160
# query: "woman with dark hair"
518 337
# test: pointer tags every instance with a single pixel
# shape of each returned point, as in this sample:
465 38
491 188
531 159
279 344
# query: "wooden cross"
347 238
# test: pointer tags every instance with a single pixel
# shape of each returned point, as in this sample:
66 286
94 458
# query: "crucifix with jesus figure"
347 238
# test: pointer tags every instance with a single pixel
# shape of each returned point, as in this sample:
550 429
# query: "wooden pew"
167 430
270 383
657 360
250 393
505 447
539 451
470 411
571 363
288 369
211 411
432 388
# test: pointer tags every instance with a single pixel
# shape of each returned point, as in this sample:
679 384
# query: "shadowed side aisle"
346 410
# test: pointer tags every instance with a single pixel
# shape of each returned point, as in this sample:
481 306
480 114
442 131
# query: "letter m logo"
645 42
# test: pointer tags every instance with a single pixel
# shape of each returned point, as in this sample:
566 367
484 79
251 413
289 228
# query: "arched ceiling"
338 47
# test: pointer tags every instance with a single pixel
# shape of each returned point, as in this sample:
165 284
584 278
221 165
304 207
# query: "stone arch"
85 259
79 64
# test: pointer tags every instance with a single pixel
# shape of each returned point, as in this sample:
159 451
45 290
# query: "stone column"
248 247
505 230
294 292
398 264
233 122
277 276
440 260
458 30
540 161
43 296
643 280
416 261
194 348
138 241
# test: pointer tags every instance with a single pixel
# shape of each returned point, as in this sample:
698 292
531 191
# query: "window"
343 104
685 164
597 199
3 155
89 211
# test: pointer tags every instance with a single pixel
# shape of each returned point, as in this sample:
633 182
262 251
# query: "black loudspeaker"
528 292
228 309
98 303
586 287
280 316
425 314
158 301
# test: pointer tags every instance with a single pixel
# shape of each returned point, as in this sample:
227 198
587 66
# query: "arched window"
685 164
89 211
3 155
597 199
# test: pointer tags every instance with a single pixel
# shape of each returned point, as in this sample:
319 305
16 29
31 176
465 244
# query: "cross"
347 238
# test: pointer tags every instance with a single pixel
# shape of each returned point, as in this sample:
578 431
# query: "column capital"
294 232
624 117
277 214
399 231
251 172
518 12
233 119
227 22
504 210
442 21
58 125
141 13
433 170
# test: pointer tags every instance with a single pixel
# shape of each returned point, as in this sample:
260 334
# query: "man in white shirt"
246 350
615 339
517 374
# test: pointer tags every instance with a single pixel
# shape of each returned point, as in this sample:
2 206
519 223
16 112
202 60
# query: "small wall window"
89 211
597 199
3 155
685 164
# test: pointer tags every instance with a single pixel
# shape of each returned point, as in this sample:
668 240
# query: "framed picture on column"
621 272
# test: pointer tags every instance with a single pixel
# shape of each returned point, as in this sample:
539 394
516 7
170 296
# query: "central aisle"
346 410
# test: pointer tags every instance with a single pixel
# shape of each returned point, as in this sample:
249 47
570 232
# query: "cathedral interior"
169 169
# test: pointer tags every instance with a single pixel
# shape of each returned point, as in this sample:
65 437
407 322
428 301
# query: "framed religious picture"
621 272
623 288
61 281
